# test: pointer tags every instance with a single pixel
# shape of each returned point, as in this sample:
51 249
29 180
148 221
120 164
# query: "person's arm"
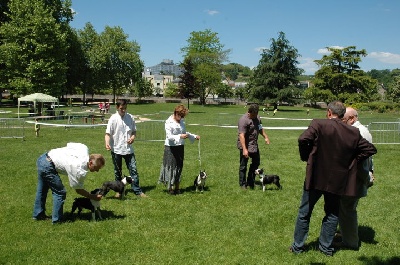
107 141
365 148
306 141
132 138
243 144
264 134
85 193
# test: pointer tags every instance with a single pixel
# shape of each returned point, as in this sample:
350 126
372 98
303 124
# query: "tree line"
41 52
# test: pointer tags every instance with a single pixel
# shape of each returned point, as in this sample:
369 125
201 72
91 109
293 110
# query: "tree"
340 73
115 61
143 88
203 57
33 48
384 77
224 91
394 89
315 95
77 66
90 70
235 71
171 91
276 70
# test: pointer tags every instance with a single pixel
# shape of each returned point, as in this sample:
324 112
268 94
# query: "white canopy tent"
35 98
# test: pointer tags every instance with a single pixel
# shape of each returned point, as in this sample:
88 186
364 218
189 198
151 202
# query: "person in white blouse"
119 137
73 160
175 135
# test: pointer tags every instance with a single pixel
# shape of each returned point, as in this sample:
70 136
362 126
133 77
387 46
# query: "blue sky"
162 28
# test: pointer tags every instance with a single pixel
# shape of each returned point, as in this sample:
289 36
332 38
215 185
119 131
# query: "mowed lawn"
224 225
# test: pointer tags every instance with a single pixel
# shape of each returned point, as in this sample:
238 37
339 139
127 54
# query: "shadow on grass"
374 260
367 235
192 189
87 215
145 189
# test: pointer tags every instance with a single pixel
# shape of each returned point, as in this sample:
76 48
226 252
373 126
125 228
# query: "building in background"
166 67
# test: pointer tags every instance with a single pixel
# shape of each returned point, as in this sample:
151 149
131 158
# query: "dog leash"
199 154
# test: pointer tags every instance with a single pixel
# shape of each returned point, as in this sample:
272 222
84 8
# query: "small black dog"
268 179
200 181
117 186
86 203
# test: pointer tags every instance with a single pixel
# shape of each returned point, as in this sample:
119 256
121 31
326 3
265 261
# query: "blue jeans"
329 222
48 178
130 162
255 162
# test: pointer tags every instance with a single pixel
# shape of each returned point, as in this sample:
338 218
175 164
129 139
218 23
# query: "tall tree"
4 11
33 50
204 54
339 72
117 60
277 70
77 67
394 89
90 69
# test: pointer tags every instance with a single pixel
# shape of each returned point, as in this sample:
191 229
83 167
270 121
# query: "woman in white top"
175 135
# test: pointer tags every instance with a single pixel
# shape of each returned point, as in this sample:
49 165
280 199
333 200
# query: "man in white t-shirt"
120 135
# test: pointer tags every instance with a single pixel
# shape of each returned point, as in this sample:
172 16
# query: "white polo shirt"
71 160
120 130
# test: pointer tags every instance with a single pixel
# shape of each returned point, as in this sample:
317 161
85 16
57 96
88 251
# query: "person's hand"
266 140
184 135
246 153
131 139
108 147
197 137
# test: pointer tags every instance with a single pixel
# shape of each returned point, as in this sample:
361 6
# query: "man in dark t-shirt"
249 127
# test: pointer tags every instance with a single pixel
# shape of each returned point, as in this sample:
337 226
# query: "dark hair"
337 108
253 108
121 102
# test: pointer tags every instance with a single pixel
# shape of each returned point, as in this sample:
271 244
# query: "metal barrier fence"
150 130
12 128
385 132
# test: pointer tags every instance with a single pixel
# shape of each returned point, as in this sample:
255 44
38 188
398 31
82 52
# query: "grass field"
224 225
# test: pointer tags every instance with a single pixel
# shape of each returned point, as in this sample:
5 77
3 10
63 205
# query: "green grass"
224 225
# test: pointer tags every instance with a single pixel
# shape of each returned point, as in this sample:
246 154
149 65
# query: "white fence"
385 132
12 128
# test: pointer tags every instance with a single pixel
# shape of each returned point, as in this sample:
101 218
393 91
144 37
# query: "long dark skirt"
171 168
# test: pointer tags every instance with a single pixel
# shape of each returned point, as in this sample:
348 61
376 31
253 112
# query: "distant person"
174 149
107 105
275 111
331 149
73 160
37 127
101 107
308 112
120 135
348 220
249 127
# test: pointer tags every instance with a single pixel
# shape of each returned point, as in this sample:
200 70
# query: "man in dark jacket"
331 149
